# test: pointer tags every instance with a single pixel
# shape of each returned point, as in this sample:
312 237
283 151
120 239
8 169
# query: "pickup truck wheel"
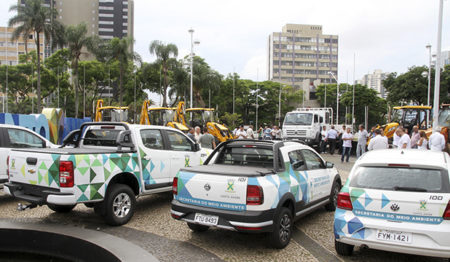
61 209
197 227
331 206
119 205
282 231
343 249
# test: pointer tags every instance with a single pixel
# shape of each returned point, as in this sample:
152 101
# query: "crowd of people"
205 139
378 140
263 133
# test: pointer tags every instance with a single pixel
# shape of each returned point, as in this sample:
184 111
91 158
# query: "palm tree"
163 53
77 39
119 49
36 18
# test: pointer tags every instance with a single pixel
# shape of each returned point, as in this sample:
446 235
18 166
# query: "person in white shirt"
437 140
323 141
378 142
240 133
422 144
197 134
250 133
276 133
362 141
331 139
347 138
395 140
405 141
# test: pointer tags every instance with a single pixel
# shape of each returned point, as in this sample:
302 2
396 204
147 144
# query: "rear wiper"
416 189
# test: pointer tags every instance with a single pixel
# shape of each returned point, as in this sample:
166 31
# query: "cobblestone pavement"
153 229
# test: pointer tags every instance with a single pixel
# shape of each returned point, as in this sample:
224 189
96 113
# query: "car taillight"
344 201
175 186
447 212
255 195
7 167
66 174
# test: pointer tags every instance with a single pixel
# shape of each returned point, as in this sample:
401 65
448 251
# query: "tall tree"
77 39
120 50
37 18
164 52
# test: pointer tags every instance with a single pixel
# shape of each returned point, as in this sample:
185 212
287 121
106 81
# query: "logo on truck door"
230 186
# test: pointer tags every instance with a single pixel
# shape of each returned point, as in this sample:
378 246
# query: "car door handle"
31 161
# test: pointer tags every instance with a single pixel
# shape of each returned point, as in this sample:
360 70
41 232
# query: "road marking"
317 250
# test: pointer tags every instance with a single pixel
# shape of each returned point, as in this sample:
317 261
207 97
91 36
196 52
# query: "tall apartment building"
10 50
375 82
105 18
302 53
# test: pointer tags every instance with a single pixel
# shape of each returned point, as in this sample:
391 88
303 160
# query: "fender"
288 196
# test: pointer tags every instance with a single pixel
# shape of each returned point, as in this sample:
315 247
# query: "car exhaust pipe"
21 207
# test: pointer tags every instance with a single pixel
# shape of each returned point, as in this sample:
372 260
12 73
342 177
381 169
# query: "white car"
12 136
396 200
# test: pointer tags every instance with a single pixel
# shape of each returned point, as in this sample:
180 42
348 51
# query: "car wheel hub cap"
285 228
121 205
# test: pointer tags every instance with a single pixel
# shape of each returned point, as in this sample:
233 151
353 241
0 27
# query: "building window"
125 31
106 22
105 15
106 8
125 9
125 17
125 24
105 29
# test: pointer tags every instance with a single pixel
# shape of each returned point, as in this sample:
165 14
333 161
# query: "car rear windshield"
246 155
402 179
101 137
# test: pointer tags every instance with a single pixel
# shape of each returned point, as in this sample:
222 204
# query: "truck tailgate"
34 168
215 191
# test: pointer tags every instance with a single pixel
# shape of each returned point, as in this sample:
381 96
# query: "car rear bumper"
39 195
246 221
392 247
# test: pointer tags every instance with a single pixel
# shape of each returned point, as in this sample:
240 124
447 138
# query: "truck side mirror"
329 165
124 140
71 138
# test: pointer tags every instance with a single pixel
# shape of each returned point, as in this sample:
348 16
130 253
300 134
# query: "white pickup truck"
103 165
255 186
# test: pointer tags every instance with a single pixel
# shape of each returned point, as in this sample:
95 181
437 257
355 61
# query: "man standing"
347 138
276 133
197 134
250 133
437 141
331 139
267 133
362 141
191 134
240 133
378 142
415 136
405 141
323 141
207 140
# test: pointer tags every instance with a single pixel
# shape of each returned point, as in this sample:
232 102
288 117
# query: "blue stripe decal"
399 217
213 204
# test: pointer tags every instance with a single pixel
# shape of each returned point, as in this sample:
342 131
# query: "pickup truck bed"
241 171
72 151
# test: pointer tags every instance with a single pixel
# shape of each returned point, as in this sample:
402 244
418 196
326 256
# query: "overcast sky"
384 34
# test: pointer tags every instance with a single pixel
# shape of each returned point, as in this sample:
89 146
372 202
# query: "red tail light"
175 186
255 195
447 212
66 174
7 167
344 201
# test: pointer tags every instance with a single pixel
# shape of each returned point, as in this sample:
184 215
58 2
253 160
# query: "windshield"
250 156
397 116
444 117
156 117
401 179
298 119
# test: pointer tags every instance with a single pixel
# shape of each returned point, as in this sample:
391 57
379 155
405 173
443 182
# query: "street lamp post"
429 82
437 70
191 31
337 97
279 107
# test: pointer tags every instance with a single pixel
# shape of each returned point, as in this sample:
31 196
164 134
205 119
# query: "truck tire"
343 249
197 227
331 206
60 208
282 229
119 205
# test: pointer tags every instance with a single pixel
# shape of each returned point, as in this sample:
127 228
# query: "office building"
302 53
375 81
10 50
105 18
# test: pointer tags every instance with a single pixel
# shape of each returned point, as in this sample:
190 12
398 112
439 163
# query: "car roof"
411 157
136 126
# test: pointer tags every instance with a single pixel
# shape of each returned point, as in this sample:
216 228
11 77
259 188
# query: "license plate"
391 236
206 219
